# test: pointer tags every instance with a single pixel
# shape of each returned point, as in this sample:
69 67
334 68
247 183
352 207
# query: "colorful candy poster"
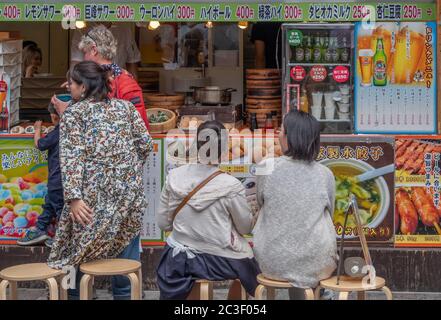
417 191
395 81
23 186
351 158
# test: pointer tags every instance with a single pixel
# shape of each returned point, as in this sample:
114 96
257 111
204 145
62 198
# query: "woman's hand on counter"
80 212
61 106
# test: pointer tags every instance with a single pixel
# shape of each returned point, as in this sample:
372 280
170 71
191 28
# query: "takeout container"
316 111
329 112
343 115
344 107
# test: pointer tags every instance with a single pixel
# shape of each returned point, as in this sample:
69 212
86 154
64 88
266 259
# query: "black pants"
52 208
176 275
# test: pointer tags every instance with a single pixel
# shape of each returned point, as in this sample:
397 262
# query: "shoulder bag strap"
192 193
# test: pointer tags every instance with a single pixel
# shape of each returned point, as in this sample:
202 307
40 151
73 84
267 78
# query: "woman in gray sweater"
294 237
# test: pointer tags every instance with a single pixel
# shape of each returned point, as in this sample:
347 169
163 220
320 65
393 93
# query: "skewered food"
407 212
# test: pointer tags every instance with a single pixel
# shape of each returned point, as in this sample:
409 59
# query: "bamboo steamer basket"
162 127
263 74
162 98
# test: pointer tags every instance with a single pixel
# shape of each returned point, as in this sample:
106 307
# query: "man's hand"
37 126
59 105
80 212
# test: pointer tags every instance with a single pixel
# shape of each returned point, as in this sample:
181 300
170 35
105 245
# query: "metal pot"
212 95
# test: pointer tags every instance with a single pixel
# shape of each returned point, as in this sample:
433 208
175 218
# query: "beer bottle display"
380 78
308 49
327 50
344 51
317 53
333 49
300 53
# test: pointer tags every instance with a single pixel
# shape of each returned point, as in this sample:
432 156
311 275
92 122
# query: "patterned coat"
103 146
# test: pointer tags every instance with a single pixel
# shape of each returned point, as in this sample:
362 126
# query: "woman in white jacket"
207 241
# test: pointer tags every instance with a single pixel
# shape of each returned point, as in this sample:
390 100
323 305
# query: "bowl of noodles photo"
373 196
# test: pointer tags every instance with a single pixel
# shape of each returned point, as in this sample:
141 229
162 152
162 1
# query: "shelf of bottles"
319 57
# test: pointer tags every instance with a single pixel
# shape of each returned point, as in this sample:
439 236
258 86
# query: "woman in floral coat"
103 146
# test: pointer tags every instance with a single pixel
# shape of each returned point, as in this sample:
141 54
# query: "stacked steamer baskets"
10 66
148 80
170 102
263 94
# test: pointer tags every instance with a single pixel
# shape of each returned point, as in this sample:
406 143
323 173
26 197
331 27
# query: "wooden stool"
271 285
111 267
348 284
31 272
203 290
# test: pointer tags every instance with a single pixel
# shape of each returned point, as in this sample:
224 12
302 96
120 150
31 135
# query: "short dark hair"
303 134
205 135
94 78
51 109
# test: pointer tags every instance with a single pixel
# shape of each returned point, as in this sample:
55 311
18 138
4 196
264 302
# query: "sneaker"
49 242
33 237
326 294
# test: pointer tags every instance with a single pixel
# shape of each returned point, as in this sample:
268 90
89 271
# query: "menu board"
153 181
348 158
417 191
217 11
395 81
23 187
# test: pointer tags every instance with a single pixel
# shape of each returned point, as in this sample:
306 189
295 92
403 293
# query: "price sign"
318 73
298 73
340 74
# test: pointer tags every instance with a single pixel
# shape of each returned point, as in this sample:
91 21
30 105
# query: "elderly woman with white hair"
99 45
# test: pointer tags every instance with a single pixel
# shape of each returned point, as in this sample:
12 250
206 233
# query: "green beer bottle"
380 63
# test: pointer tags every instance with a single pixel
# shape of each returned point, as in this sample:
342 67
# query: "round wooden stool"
111 267
203 290
348 285
31 272
271 285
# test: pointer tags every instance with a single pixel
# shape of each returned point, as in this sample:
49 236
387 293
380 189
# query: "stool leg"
3 285
205 291
343 295
317 293
135 287
85 287
270 293
361 295
195 293
309 294
258 295
243 293
141 290
387 292
63 291
13 289
53 288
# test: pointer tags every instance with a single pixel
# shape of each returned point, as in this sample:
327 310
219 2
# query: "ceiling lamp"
153 25
80 24
243 24
209 24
